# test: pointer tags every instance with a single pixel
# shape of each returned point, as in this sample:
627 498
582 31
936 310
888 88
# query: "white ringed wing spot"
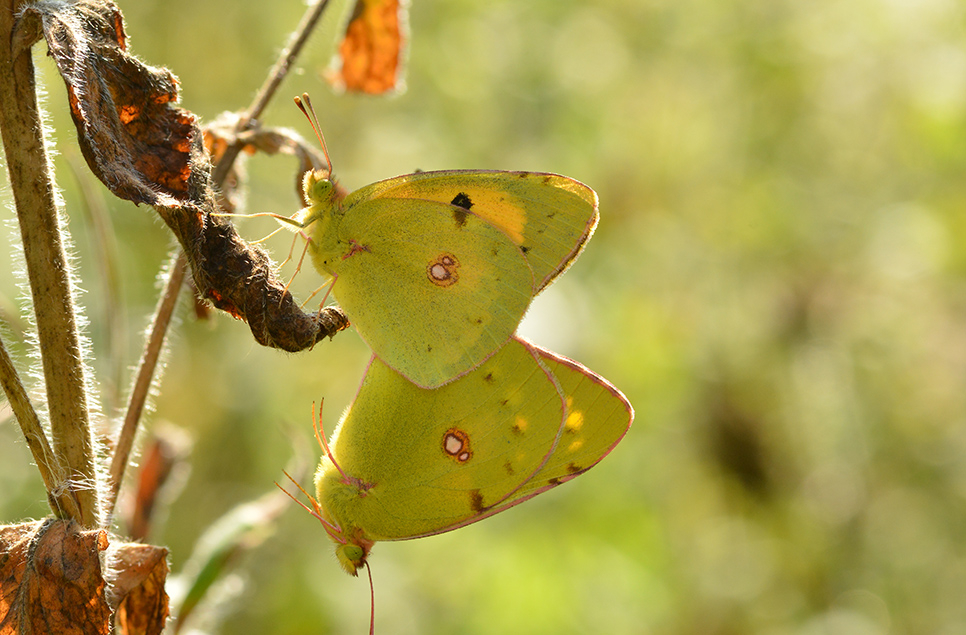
442 270
456 445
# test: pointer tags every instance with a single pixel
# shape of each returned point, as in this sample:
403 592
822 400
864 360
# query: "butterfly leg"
329 284
298 267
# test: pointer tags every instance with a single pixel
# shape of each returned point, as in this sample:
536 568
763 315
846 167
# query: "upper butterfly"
436 269
407 462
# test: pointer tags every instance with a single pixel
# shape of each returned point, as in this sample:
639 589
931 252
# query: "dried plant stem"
31 181
62 500
145 375
295 45
152 348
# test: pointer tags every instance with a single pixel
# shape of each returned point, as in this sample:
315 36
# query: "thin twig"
295 45
145 375
31 181
61 498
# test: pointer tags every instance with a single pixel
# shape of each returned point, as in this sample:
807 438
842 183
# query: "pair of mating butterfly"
456 419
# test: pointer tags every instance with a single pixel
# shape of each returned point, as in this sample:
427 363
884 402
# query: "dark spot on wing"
488 378
463 203
429 348
524 248
573 468
462 200
508 467
515 428
476 501
554 481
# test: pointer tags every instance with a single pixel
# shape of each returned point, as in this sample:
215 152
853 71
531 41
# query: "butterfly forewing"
433 290
550 217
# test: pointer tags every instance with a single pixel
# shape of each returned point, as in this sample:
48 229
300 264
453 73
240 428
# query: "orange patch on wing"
370 54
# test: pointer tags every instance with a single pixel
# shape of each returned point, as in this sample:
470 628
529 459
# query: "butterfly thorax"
322 217
337 495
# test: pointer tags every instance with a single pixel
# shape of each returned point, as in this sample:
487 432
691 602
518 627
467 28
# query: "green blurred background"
777 284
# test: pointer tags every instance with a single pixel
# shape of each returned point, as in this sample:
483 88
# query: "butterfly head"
353 553
319 186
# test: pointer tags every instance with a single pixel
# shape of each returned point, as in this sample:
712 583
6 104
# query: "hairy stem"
61 498
31 181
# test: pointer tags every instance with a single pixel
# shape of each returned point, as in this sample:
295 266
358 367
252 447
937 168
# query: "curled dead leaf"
220 134
138 589
146 149
51 582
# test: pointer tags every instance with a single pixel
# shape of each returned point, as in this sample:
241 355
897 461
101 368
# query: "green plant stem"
31 181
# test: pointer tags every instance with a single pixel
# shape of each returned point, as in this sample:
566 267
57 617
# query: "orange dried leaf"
370 57
163 456
50 579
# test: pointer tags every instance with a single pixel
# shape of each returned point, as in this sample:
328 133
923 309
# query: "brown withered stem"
175 275
146 367
31 181
279 71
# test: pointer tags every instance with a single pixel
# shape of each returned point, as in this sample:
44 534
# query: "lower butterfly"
407 462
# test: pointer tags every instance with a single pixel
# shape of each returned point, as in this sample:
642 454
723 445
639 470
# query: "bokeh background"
778 284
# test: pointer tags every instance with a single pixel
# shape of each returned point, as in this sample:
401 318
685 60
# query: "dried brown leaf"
50 579
164 455
139 584
221 133
133 136
146 149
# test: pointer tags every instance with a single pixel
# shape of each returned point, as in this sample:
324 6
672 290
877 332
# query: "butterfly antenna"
315 510
372 602
305 105
298 267
320 437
